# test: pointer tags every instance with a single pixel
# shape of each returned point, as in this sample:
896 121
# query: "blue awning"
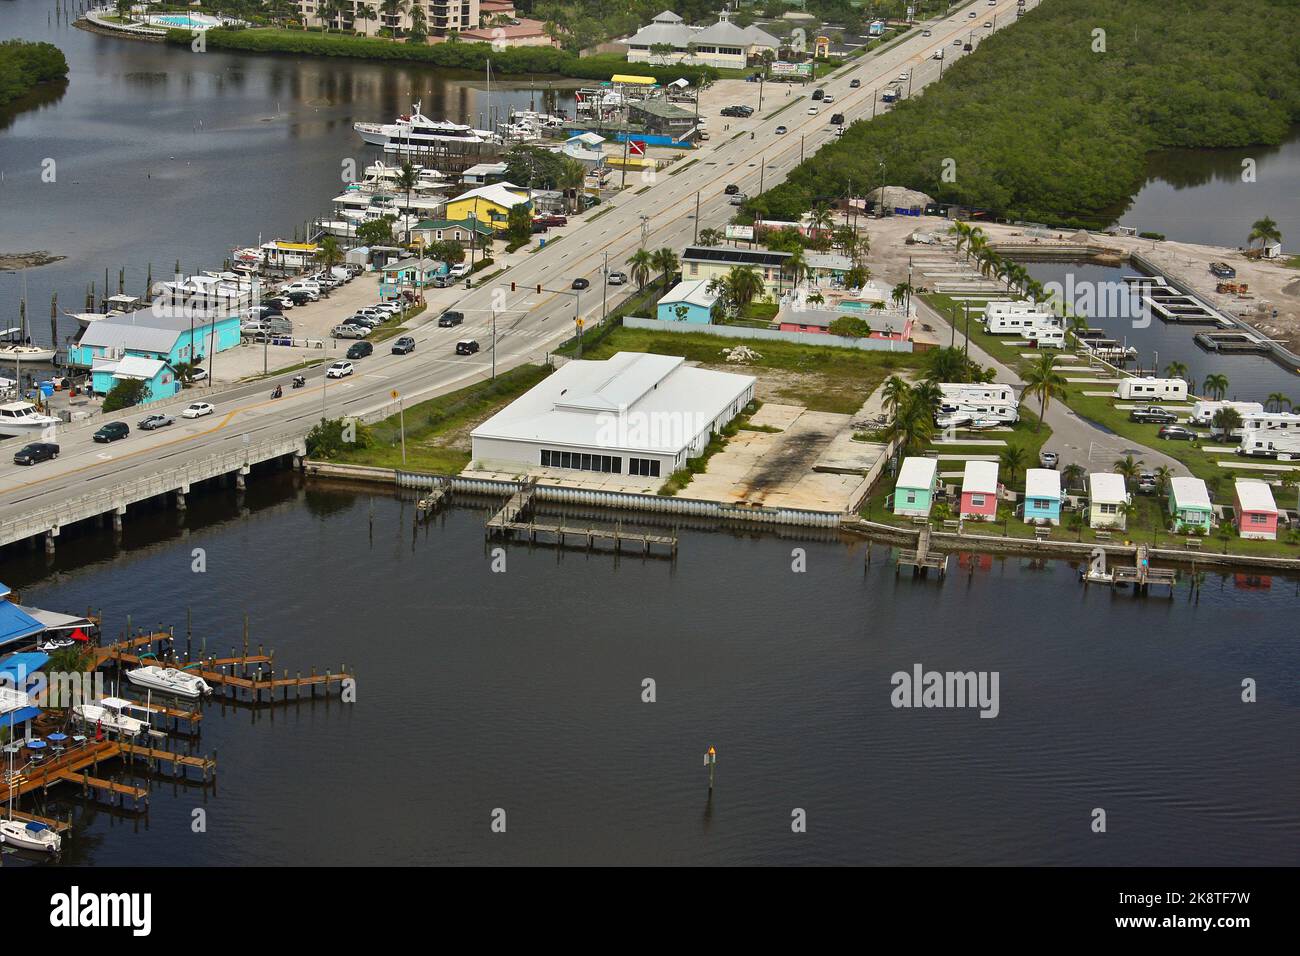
16 624
19 668
20 716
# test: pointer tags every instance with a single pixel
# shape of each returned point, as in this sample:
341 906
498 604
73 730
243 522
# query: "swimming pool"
191 21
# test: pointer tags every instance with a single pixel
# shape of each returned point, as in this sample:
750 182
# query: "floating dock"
517 519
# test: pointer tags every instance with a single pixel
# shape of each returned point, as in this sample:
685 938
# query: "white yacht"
415 131
169 680
23 420
26 353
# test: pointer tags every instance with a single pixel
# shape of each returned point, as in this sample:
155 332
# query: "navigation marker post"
711 761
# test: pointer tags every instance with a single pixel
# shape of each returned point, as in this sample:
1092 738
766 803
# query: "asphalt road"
528 324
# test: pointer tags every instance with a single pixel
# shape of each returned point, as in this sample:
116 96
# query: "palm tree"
1176 370
946 365
1128 469
893 394
712 237
744 284
1225 421
913 423
1073 476
1263 231
797 265
1043 380
1164 474
641 262
393 10
961 231
665 262
1012 460
901 292
330 254
407 179
572 175
1216 384
1277 401
929 397
820 218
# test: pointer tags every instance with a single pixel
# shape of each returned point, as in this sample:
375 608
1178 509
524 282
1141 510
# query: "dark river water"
522 690
161 154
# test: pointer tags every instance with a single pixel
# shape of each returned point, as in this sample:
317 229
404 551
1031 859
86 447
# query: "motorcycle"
278 392
299 381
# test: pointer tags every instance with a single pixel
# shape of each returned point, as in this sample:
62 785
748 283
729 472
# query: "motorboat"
414 131
169 680
55 644
24 420
111 714
30 836
980 424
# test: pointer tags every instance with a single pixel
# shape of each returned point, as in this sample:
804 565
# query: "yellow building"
490 204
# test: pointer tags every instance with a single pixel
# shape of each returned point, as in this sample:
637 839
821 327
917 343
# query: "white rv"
1046 337
954 392
1153 389
1283 421
1010 323
1270 443
1203 411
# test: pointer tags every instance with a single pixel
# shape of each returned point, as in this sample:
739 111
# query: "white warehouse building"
631 414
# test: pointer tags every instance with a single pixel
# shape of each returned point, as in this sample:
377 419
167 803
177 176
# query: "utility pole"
967 307
761 78
801 141
494 345
604 289
697 224
577 318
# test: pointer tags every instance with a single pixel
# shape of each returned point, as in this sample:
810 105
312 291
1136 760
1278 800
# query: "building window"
648 467
1108 509
1258 519
977 501
610 464
911 497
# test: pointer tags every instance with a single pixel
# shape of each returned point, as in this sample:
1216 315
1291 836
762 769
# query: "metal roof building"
631 414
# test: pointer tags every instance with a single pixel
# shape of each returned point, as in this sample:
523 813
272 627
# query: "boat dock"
517 519
1140 575
922 558
1235 343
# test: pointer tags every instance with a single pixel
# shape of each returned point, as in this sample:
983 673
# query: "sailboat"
30 835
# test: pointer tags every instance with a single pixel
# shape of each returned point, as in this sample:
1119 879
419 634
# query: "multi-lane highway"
527 323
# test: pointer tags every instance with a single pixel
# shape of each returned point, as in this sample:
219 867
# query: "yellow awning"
627 78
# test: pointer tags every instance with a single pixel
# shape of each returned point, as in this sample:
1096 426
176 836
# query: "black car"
854 84
150 422
837 119
264 311
404 346
299 298
111 431
36 451
818 93
579 284
1176 432
466 347
731 189
449 318
360 350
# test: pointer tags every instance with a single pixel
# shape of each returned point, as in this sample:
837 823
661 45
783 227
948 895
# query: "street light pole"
604 289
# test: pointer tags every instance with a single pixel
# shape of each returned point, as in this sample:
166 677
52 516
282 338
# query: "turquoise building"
148 346
914 490
689 301
1042 496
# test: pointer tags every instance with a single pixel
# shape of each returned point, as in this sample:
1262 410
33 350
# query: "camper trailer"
1282 421
1046 337
1270 443
1011 323
958 392
1203 411
1153 389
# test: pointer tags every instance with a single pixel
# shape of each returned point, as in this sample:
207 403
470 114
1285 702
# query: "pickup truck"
1152 414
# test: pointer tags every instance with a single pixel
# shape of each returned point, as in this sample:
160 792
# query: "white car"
812 111
903 76
346 331
197 410
827 100
387 308
458 270
938 54
198 374
926 33
338 370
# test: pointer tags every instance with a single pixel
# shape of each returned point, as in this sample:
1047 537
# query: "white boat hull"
15 833
26 354
169 681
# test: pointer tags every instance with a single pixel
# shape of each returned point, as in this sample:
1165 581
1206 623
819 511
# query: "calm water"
162 154
1251 377
1197 195
521 690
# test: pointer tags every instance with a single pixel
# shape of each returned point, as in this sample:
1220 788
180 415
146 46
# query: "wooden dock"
922 558
517 520
1142 576
434 501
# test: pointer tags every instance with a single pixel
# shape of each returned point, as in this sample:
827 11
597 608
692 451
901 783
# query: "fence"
799 338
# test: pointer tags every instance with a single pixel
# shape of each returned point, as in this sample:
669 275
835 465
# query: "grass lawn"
821 378
998 346
437 430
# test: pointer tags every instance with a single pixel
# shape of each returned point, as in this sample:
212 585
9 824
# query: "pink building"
979 491
1256 514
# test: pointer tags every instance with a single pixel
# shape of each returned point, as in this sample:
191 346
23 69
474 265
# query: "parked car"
616 278
151 422
552 220
346 331
1147 484
369 321
1048 459
197 410
1176 433
111 431
450 318
36 451
359 350
459 270
404 346
466 347
731 189
391 308
198 374
579 283
1153 415
339 370
300 297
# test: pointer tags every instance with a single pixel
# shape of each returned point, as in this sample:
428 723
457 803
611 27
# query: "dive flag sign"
636 147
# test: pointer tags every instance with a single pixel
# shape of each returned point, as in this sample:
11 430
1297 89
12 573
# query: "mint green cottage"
914 490
1189 505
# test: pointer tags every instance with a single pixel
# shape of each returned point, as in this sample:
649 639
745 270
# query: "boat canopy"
16 624
36 827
